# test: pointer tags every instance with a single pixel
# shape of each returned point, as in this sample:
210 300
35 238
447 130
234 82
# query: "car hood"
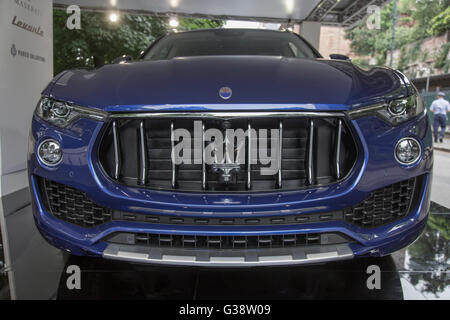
194 83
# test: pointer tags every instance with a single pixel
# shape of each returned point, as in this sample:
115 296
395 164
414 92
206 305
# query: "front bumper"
376 168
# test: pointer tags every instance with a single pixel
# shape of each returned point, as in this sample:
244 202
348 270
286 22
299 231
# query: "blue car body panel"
80 170
259 84
260 80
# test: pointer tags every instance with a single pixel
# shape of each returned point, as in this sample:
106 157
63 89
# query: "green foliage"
415 51
409 55
423 12
416 20
377 42
381 59
362 63
193 24
431 252
160 25
403 61
425 54
362 41
441 61
440 23
99 41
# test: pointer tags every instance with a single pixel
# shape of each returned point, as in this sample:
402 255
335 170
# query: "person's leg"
436 125
443 126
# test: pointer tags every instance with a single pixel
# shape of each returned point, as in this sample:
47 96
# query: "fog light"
407 151
50 152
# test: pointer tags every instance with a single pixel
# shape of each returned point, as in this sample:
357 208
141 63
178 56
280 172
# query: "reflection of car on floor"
231 148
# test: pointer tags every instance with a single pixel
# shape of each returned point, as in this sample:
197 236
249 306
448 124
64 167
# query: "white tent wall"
26 64
283 11
267 10
346 13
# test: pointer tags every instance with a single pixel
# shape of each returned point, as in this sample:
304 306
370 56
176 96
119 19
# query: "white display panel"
26 67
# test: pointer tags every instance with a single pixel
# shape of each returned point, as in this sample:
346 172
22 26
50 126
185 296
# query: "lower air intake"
226 242
72 205
385 205
382 207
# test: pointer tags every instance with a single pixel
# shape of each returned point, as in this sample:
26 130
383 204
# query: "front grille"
314 151
226 242
385 205
382 207
72 205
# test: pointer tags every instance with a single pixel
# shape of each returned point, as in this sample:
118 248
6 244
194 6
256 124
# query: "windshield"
230 42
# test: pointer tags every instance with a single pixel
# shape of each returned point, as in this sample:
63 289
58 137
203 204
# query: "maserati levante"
230 147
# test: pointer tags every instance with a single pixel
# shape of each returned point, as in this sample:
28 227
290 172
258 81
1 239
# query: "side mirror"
122 59
337 56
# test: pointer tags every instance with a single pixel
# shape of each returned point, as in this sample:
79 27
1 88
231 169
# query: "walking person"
440 107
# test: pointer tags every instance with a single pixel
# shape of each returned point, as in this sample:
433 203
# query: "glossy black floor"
4 286
419 272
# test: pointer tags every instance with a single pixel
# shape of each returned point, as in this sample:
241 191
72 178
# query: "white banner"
26 67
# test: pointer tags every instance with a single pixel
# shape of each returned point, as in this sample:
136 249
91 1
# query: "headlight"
61 114
395 112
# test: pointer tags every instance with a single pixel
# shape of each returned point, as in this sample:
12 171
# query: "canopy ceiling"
338 12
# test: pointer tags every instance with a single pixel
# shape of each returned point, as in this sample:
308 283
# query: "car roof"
231 30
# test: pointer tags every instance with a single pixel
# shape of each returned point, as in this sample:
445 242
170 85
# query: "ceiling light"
114 17
173 22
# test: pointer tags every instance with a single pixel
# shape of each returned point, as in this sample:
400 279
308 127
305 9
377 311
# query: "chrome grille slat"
174 167
310 151
203 158
143 153
280 154
117 153
338 149
249 157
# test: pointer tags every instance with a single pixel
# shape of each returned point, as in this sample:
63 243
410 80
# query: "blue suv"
230 147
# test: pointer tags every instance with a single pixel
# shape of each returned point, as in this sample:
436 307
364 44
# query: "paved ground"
445 146
441 179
